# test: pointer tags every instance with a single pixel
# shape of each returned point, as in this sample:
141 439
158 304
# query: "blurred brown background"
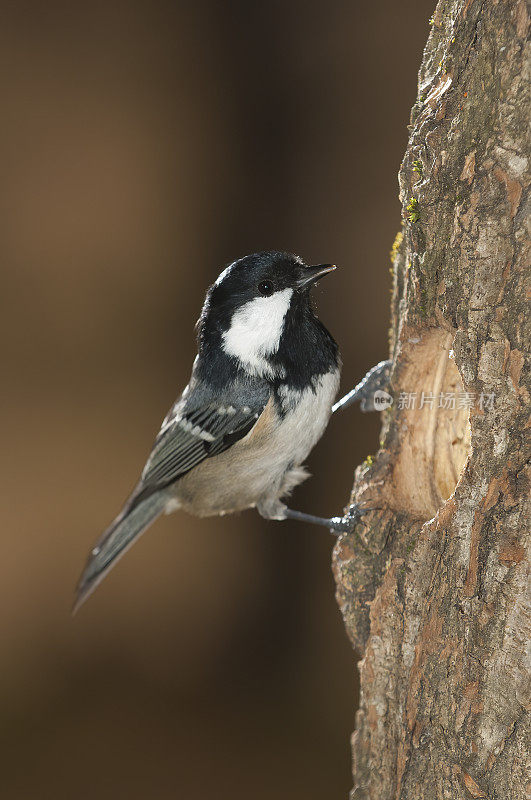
143 146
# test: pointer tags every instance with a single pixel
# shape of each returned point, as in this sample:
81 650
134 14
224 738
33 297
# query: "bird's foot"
335 525
366 390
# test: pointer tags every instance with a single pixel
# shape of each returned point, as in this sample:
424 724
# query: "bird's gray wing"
190 433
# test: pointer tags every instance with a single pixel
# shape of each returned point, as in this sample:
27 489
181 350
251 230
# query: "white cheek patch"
255 330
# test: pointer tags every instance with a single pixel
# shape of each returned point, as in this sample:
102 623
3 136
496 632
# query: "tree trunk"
433 587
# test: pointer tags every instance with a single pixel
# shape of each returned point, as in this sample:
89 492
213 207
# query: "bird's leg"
376 379
334 524
279 511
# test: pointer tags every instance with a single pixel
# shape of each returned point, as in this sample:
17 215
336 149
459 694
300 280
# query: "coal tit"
259 397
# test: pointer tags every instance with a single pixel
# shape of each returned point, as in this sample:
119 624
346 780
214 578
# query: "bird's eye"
266 288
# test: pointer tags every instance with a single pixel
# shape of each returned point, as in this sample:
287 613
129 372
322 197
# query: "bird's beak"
312 274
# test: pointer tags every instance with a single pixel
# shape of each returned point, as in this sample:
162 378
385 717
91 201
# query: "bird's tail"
136 516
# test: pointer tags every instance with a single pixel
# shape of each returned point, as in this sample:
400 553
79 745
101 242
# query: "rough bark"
434 587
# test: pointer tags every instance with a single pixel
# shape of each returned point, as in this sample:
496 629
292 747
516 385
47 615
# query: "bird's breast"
304 413
290 425
292 422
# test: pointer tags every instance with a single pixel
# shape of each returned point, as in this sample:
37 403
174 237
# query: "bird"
260 396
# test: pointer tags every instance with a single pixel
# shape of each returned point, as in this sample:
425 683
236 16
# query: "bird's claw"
347 523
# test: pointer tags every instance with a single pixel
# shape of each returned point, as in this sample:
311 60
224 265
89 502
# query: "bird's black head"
258 313
262 275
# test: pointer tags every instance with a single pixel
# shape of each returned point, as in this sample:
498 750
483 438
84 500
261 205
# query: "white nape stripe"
255 330
221 277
